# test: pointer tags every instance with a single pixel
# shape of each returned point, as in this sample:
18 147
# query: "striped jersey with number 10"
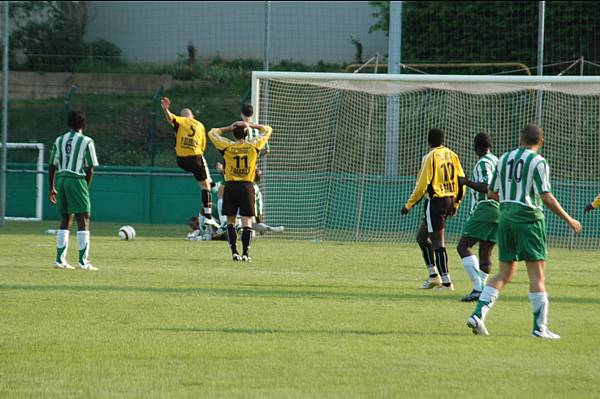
72 153
521 177
483 173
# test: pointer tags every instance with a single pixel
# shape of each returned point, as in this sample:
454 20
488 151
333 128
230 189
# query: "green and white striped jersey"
72 153
520 178
483 172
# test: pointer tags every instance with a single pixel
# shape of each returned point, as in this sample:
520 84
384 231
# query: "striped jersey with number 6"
521 176
483 173
72 153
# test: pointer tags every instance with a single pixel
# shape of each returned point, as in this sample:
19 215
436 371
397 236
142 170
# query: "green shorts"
481 230
73 195
483 224
522 241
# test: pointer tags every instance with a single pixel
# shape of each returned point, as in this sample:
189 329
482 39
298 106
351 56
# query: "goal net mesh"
326 176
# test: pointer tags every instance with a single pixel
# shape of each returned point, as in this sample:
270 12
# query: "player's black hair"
435 137
240 132
482 142
532 135
76 120
247 110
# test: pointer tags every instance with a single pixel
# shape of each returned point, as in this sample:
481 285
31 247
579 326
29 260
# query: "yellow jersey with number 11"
240 157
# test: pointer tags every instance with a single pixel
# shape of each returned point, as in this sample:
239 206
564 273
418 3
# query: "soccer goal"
346 148
25 175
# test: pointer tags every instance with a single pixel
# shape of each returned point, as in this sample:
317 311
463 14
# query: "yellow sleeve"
425 176
596 202
461 189
176 119
219 141
260 141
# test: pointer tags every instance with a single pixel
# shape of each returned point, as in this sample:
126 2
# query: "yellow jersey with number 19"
438 177
240 156
190 136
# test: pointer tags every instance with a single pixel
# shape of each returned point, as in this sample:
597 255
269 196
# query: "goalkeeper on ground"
438 182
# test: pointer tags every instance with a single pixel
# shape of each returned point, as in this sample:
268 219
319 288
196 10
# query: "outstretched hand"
405 211
165 103
588 208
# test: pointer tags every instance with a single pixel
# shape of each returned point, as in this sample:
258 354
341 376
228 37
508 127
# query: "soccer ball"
127 233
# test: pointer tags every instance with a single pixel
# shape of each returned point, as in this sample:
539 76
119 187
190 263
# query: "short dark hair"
482 141
247 110
240 132
76 120
435 137
532 135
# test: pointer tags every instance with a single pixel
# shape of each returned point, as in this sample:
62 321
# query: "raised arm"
165 103
216 136
261 140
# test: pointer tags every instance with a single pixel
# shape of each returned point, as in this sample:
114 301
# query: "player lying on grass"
240 158
190 143
210 233
70 171
593 205
482 225
438 182
520 181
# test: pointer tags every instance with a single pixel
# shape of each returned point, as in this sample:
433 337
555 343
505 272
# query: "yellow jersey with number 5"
190 136
240 157
438 177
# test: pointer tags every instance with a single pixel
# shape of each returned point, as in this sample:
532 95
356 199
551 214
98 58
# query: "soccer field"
165 317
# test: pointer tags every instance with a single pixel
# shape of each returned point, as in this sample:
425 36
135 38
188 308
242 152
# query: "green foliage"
493 31
165 317
51 36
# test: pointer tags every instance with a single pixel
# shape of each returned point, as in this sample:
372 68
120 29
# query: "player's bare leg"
232 237
427 252
62 242
441 259
471 265
538 297
489 295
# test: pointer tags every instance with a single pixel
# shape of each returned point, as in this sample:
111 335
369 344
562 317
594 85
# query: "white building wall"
300 31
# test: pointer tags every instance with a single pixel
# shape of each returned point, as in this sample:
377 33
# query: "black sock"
485 267
246 239
427 252
206 204
441 261
232 238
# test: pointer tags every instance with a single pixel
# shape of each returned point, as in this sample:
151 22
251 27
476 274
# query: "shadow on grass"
252 331
269 292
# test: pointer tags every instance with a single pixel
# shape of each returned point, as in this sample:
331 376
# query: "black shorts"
195 164
239 196
437 210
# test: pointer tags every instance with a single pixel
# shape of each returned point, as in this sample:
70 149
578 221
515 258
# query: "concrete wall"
300 31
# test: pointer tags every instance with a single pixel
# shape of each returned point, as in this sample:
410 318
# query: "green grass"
164 317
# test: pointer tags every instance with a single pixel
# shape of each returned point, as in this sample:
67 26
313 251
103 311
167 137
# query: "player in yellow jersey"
241 157
438 182
593 205
190 144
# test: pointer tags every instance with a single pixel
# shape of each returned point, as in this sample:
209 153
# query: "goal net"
346 148
24 181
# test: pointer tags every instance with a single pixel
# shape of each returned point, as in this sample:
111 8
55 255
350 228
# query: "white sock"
222 218
483 276
432 270
471 265
83 240
62 244
539 307
487 299
446 279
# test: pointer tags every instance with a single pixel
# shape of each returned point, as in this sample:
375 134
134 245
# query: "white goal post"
346 148
39 180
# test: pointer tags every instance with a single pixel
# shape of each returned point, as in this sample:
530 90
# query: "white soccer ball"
126 233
